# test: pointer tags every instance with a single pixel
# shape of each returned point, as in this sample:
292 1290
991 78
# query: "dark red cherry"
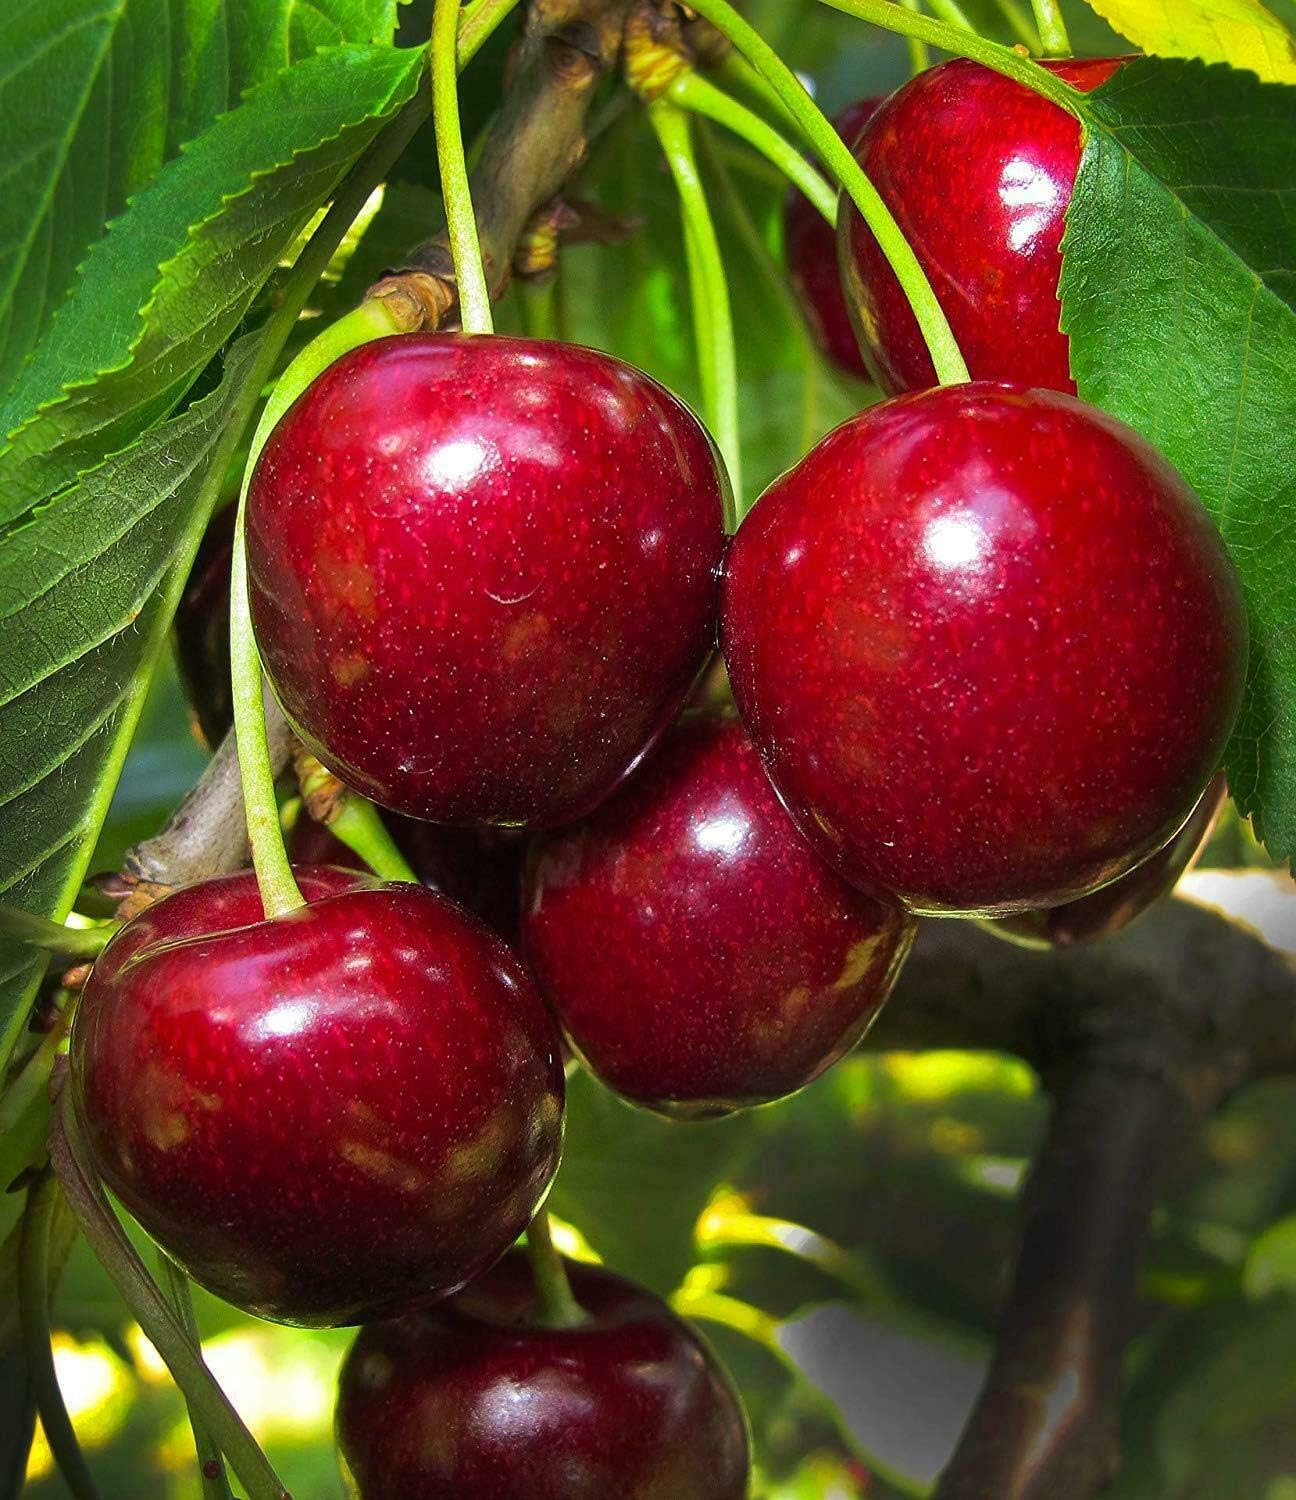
978 171
480 868
202 632
476 1399
336 1115
1113 908
812 261
698 953
484 572
990 646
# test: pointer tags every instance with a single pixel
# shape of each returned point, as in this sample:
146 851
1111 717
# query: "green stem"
360 827
539 301
456 193
1022 24
1052 28
151 1310
279 890
738 73
708 287
837 159
54 937
211 1465
557 1306
477 23
960 43
24 1108
692 91
33 1294
919 56
951 11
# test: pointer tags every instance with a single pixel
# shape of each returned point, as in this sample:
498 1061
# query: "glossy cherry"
484 572
1113 908
201 629
979 172
477 1399
698 953
989 645
812 261
336 1115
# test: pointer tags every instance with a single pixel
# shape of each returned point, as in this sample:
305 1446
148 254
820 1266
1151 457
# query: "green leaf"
1271 1261
87 590
97 94
162 291
1243 33
1179 294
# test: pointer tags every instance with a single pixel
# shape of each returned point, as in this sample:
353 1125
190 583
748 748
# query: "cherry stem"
279 890
952 12
556 1306
477 23
708 286
150 1308
1052 28
33 1302
691 91
54 937
24 1108
456 192
211 1463
838 161
1022 23
358 824
960 43
919 57
540 306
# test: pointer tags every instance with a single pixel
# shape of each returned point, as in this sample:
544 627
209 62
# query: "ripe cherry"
336 1115
979 172
989 645
743 965
478 1399
484 572
812 261
1113 908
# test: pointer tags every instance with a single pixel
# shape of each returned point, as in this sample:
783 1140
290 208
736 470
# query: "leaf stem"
557 1306
1052 28
692 91
456 192
837 159
33 1295
54 937
151 1310
358 824
959 43
708 286
211 1463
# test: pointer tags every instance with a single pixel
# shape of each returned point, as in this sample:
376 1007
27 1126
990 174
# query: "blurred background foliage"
845 1251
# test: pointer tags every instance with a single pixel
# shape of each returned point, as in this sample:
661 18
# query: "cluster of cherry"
986 649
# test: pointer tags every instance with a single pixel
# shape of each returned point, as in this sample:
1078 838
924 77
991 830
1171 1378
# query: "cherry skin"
1113 908
478 1399
990 646
484 572
336 1115
744 967
812 261
979 172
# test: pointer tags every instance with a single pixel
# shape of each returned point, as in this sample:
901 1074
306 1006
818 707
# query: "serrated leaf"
1242 33
97 94
86 595
1179 295
169 282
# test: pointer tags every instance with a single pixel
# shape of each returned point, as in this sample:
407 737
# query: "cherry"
979 172
989 645
812 261
743 965
201 628
478 1399
1113 908
336 1115
480 868
484 572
